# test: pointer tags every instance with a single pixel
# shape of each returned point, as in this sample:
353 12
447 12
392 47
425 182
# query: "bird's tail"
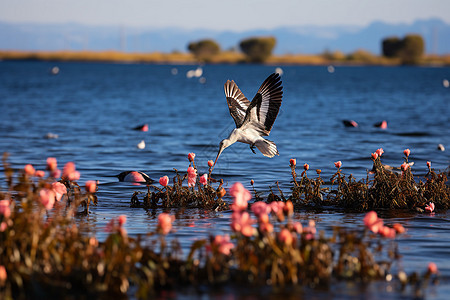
267 148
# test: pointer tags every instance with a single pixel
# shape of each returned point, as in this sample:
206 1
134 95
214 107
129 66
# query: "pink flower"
241 197
399 228
59 189
432 268
306 167
191 156
407 152
164 181
404 167
210 163
288 208
379 151
241 222
387 232
3 274
70 173
91 186
298 227
374 156
165 222
285 236
429 164
5 209
372 222
293 162
260 208
122 219
55 173
40 173
47 198
277 207
51 164
266 227
311 230
223 244
338 164
430 207
192 176
29 170
204 179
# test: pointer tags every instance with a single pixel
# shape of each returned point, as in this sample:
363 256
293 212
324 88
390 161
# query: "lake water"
93 108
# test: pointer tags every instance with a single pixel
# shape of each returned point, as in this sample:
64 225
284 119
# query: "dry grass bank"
359 57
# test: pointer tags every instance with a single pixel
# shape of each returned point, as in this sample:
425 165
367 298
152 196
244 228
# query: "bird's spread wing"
237 103
263 109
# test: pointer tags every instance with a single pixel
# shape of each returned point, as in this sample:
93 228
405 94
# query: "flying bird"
255 119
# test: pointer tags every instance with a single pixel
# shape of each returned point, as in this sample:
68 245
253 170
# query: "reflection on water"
90 111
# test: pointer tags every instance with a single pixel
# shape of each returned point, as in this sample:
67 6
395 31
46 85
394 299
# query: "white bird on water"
253 119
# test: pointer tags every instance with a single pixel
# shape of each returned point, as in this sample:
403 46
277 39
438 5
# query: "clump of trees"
204 50
409 49
258 49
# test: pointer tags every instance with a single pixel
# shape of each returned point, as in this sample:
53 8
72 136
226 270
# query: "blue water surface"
93 108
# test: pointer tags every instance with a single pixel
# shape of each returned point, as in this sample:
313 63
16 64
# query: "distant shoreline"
357 58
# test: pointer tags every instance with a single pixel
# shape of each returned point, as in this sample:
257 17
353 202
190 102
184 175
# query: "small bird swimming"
253 119
349 123
134 176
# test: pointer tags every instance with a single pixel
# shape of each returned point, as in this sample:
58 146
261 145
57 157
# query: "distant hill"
301 39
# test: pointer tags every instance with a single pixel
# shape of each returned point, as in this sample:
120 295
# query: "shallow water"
93 108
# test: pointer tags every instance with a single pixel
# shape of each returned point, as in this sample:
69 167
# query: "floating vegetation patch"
384 187
44 252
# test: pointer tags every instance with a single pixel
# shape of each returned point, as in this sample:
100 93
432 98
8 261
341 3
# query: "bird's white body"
253 119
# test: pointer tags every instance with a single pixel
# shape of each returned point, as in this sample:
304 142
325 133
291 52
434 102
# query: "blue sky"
236 15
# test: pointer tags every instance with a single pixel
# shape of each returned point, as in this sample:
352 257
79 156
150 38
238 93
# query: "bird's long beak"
218 154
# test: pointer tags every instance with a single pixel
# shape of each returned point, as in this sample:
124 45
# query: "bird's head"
223 144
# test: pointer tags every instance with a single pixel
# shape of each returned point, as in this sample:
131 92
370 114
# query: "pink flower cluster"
204 179
240 219
91 186
5 208
69 172
241 197
52 166
48 196
430 207
375 224
31 171
165 223
222 244
242 222
192 176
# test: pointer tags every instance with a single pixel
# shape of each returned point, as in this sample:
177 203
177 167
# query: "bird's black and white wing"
237 102
263 109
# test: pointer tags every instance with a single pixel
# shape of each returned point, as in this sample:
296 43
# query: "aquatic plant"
384 187
202 195
49 252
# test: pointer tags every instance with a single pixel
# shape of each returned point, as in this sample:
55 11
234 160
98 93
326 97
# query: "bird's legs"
252 147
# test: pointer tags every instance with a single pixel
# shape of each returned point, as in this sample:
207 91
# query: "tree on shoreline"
204 50
409 49
258 49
